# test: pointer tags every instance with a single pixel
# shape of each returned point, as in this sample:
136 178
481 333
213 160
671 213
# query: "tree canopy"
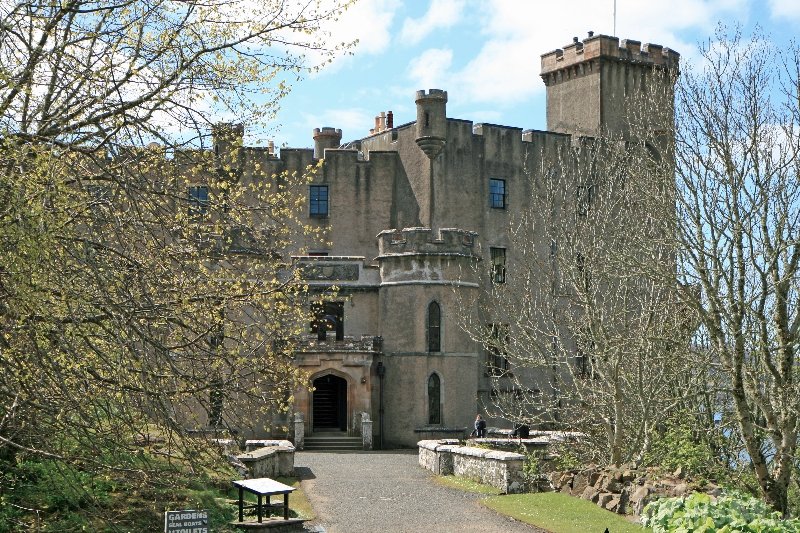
142 285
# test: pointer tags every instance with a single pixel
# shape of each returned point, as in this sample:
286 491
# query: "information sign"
188 521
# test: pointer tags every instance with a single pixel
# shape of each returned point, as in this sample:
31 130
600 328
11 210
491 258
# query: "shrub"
699 513
680 446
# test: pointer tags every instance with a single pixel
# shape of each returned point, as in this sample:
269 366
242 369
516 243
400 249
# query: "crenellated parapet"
424 241
580 54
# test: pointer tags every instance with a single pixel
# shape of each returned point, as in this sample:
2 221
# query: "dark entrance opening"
330 403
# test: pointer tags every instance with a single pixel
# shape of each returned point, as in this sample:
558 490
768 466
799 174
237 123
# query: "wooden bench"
263 487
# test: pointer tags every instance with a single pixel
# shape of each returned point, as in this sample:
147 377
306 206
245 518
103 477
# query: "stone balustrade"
502 470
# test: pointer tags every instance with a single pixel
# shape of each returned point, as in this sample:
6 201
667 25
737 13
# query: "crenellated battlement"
607 47
423 241
436 94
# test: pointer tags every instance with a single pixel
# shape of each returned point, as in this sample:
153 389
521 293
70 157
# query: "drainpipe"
381 371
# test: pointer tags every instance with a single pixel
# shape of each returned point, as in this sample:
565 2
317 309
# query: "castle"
410 211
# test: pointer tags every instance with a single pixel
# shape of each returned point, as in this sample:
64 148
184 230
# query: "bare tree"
142 286
737 146
596 340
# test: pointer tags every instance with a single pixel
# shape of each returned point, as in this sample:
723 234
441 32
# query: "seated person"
521 430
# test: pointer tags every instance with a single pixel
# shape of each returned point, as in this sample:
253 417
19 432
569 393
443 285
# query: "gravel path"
388 492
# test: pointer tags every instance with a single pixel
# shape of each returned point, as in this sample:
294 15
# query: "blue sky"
486 54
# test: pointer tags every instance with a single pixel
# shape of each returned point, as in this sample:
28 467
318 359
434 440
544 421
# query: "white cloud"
505 71
440 14
430 70
354 123
785 9
369 22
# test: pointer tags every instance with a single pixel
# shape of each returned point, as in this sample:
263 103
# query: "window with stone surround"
327 316
434 327
434 399
498 256
497 193
198 201
497 349
318 201
585 198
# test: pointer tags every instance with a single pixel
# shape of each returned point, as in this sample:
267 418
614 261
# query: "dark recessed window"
585 198
434 399
497 193
318 201
198 200
498 264
434 327
327 316
496 347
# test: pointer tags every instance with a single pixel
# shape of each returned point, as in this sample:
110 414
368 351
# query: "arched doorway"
330 403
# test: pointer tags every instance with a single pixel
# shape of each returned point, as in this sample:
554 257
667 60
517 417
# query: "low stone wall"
502 470
269 461
250 445
624 490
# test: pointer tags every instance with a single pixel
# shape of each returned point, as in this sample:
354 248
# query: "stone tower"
431 138
601 86
431 121
424 272
326 138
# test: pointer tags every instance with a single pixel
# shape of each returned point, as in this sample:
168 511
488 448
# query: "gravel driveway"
388 492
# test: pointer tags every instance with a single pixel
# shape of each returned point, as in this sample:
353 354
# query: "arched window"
434 327
434 399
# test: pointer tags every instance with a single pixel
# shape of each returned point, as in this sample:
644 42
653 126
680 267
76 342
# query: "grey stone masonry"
366 431
299 430
250 445
502 470
270 461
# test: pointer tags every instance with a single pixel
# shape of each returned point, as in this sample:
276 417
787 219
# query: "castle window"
327 316
584 358
497 348
498 264
585 198
434 399
318 201
584 276
434 327
198 200
497 193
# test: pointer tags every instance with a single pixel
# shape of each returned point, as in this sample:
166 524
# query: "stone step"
332 442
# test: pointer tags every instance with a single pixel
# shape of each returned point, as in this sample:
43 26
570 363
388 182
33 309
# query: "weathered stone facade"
416 219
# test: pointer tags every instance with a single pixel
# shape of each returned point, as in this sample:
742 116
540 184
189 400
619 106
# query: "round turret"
431 121
326 138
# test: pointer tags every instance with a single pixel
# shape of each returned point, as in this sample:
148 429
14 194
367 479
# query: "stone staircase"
332 441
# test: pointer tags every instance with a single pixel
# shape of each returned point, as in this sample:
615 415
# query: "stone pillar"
299 431
366 431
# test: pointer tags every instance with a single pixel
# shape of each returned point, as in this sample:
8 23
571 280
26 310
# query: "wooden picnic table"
263 487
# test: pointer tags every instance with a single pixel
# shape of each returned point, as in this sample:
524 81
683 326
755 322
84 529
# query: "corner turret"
326 138
431 121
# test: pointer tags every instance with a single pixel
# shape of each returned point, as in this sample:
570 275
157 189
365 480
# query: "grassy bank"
553 511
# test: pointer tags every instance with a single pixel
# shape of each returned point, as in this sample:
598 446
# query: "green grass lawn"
560 513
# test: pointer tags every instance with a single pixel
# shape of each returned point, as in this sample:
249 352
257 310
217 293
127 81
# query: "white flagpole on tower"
615 18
